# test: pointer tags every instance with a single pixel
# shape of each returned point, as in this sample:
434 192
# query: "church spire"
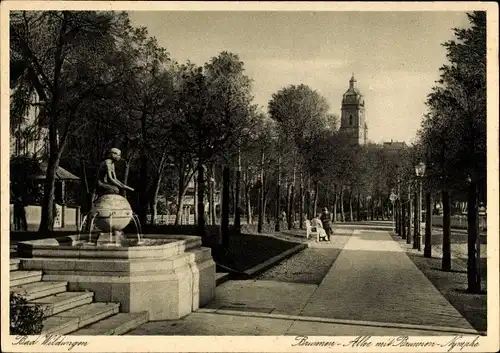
352 81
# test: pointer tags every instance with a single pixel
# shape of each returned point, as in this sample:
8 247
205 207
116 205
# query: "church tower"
352 118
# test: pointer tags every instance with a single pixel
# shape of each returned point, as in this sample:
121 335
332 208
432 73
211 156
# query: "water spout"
81 226
91 226
111 227
137 227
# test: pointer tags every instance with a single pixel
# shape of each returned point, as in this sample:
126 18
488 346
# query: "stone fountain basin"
153 245
167 275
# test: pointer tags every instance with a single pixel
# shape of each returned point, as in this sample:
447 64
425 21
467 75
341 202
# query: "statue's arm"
112 176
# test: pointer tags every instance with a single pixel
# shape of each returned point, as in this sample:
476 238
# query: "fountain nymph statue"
111 211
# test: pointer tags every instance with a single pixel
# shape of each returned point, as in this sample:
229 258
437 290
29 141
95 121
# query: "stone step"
117 324
14 264
54 304
71 320
37 290
18 278
221 277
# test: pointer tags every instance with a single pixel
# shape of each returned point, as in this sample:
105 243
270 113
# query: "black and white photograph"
249 177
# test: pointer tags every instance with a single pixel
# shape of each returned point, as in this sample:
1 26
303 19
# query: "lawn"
248 250
244 252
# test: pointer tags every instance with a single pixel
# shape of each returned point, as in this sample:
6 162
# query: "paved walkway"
373 279
373 288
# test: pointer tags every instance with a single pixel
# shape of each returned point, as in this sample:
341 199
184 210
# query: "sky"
395 56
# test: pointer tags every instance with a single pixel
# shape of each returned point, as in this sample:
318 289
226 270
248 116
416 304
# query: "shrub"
25 318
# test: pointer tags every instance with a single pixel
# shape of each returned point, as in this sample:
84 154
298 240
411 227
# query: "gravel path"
308 266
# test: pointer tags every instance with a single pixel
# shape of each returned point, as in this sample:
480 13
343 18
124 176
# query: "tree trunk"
47 217
342 213
248 205
358 208
398 216
154 199
446 261
262 205
351 217
403 220
156 188
225 208
88 195
143 175
180 206
410 213
428 225
291 210
201 204
334 218
55 147
301 202
416 222
213 213
180 194
210 200
278 198
237 208
308 200
195 198
266 213
287 202
315 204
473 256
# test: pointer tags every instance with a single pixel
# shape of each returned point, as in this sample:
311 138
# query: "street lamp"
420 172
398 211
393 198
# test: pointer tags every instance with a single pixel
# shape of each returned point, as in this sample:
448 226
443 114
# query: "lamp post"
428 225
410 206
420 172
398 212
393 198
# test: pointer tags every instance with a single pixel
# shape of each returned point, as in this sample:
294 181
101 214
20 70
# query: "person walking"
20 222
326 220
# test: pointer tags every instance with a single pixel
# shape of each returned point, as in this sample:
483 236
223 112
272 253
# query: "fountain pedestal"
168 276
111 212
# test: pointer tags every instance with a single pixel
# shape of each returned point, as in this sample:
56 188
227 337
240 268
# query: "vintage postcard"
249 176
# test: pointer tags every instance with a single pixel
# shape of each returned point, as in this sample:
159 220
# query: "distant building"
395 145
352 120
30 137
189 205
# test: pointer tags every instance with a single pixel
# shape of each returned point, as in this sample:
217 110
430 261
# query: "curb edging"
447 329
274 260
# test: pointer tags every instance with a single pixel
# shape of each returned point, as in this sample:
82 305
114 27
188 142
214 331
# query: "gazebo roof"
61 173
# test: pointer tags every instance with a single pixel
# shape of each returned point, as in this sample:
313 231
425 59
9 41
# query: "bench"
318 232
